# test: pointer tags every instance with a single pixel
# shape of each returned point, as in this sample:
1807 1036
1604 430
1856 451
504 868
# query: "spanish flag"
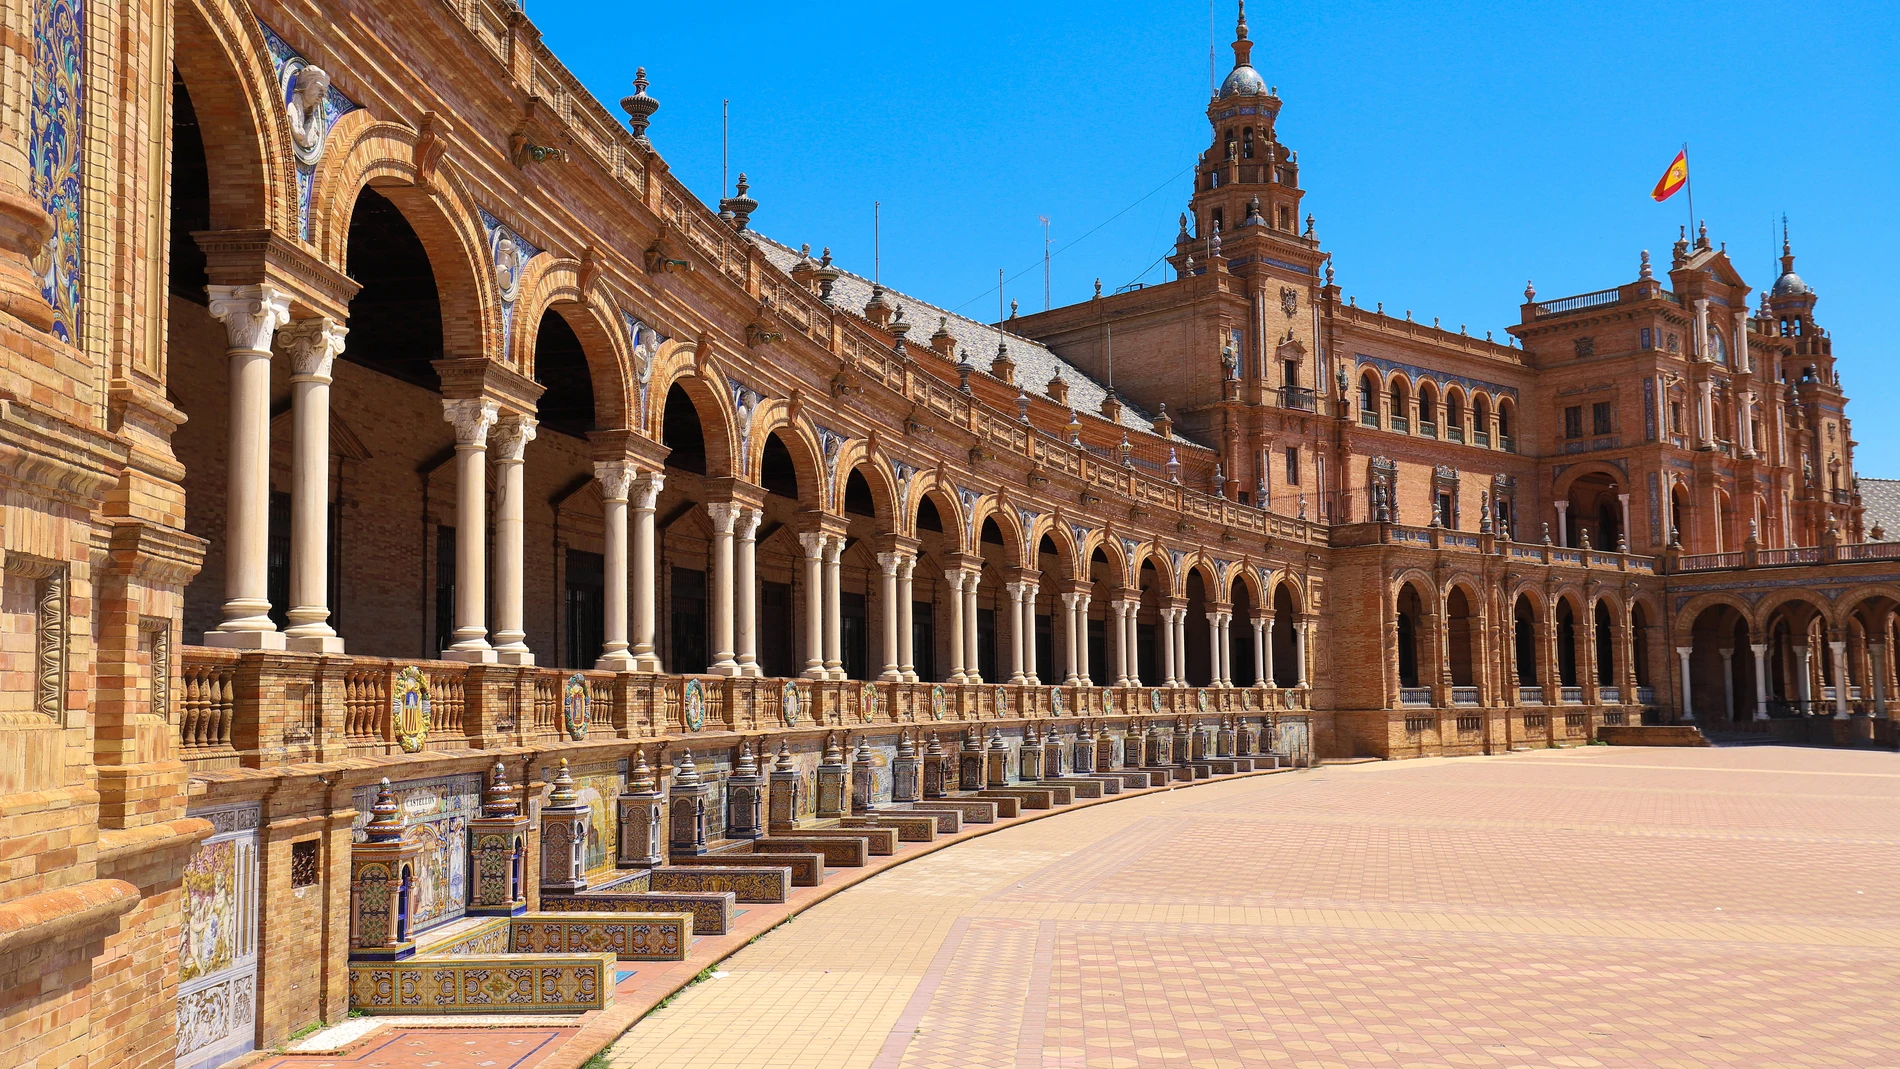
1673 179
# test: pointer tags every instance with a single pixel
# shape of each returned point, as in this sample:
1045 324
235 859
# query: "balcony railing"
1579 302
1532 695
1369 417
1609 695
1570 695
1299 398
1401 424
243 710
1454 433
1703 562
1464 695
1645 695
1415 695
1427 428
1507 443
1481 439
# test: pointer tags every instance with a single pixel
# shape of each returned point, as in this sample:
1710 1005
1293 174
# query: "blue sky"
1449 150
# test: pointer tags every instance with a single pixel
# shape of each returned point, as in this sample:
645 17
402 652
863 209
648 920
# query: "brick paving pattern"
1604 907
437 1048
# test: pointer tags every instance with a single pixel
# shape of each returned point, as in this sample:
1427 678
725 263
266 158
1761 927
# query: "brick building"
362 425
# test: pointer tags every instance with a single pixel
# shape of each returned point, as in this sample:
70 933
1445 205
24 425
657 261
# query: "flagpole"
1688 184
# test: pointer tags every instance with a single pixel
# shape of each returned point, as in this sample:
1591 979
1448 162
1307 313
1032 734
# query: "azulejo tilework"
57 126
574 710
565 983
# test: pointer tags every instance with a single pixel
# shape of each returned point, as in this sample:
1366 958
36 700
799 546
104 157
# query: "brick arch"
1470 585
1164 567
1069 560
1561 488
677 365
857 455
1428 591
221 55
556 288
1765 610
1199 561
1854 598
1296 589
1540 601
775 417
994 507
1248 572
1579 601
444 218
934 485
1111 548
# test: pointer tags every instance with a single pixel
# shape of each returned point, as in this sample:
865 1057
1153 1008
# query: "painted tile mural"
435 813
57 141
217 942
598 787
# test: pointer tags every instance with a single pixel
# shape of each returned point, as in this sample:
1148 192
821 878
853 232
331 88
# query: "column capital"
616 478
906 565
472 416
250 314
814 543
749 520
724 516
646 489
513 432
887 562
313 346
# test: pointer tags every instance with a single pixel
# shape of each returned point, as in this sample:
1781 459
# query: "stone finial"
1013 305
1530 291
1547 534
877 309
739 207
640 108
746 766
1583 538
1098 289
563 794
933 747
1645 274
499 799
1022 405
784 763
942 341
385 821
1173 466
906 749
969 739
833 755
826 275
862 755
641 781
996 739
1057 388
685 772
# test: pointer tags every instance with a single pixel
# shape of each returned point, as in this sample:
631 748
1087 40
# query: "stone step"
1083 787
1027 797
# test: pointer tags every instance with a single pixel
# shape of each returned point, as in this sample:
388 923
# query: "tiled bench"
1083 787
807 869
967 811
750 884
910 829
629 936
882 840
852 853
1027 797
711 910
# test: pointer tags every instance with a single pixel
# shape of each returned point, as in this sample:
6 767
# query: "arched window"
1246 143
1428 409
1480 420
1369 400
1505 413
1399 412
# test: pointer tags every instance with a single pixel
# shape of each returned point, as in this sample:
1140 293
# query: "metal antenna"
1110 328
1210 48
1045 261
725 150
877 242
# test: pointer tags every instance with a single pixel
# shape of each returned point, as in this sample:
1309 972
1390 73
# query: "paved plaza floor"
1595 907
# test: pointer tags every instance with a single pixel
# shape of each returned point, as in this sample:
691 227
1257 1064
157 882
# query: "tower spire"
1243 48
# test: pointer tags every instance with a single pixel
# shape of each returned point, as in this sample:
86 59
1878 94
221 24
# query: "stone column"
1299 653
1081 646
746 594
1705 414
725 519
1167 647
1728 682
1877 652
814 543
1563 525
313 346
1030 666
906 617
953 581
1015 592
1262 653
512 436
251 315
616 481
472 416
972 672
834 603
1213 648
887 590
1688 705
646 576
1744 418
1624 500
1131 654
1760 650
1838 651
1069 672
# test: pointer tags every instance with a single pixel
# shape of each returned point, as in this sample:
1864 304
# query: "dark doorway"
586 608
688 631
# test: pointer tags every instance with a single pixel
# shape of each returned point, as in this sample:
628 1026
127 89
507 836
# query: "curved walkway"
1599 907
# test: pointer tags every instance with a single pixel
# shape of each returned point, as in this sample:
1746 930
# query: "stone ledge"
1652 735
69 914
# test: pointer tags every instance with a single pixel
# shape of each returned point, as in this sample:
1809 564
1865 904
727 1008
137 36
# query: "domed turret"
1243 80
1789 288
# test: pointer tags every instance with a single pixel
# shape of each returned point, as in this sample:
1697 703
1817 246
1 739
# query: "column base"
485 655
724 668
815 672
329 644
616 662
524 658
890 675
647 662
246 640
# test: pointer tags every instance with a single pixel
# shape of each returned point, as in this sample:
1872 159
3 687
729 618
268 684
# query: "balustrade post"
251 315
